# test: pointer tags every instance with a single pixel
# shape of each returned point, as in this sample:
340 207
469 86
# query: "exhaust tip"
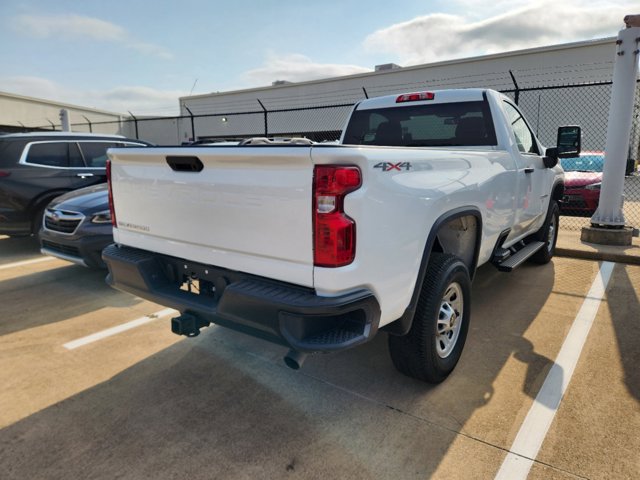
294 359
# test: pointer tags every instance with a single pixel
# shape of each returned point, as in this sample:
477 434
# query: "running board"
518 258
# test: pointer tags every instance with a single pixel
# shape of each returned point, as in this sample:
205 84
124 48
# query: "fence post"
609 213
515 84
266 121
89 123
135 122
193 126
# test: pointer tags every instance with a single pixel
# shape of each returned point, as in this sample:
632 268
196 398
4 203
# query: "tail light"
333 231
111 209
4 173
415 97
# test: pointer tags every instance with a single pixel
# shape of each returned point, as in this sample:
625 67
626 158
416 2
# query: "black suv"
37 167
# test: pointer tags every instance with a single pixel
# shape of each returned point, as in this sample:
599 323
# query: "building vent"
281 82
387 66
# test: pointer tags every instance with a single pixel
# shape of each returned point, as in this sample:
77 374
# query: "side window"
75 157
95 153
49 154
524 137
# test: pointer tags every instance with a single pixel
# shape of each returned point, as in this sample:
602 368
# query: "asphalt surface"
144 403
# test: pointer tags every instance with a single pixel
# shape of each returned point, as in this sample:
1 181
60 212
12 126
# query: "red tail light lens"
111 209
334 232
415 97
4 173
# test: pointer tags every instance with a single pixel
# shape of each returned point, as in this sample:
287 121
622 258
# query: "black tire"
419 353
548 234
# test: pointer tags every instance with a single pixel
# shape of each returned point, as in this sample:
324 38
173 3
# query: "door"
532 191
88 160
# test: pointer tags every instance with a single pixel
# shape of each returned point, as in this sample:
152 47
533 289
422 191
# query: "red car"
582 181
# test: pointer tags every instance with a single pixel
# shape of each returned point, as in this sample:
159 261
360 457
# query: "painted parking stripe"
534 429
26 262
109 332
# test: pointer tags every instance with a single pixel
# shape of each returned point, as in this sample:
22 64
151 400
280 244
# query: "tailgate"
248 209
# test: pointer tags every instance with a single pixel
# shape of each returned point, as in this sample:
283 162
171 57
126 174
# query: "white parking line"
94 337
26 262
534 429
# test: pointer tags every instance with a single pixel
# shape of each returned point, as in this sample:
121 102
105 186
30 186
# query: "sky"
141 55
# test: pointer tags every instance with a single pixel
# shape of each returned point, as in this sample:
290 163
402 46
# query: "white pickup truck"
317 247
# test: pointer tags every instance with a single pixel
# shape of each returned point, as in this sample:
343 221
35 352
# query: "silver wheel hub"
449 320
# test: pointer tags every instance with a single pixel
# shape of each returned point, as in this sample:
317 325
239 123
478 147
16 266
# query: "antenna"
194 86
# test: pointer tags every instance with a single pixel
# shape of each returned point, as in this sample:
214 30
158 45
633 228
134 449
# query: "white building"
572 63
18 112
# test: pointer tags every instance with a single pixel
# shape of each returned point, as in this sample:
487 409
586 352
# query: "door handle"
84 175
529 170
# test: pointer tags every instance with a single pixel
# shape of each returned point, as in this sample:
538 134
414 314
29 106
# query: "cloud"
441 36
138 99
70 26
296 68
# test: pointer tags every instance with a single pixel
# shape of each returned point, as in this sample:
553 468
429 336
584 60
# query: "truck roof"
439 96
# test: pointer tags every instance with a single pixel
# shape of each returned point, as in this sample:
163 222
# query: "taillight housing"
334 233
111 209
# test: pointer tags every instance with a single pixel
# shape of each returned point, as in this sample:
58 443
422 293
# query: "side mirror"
568 143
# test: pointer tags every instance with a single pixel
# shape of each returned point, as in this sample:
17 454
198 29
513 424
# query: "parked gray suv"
37 167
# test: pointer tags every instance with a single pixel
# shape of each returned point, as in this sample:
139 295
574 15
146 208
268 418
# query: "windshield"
589 162
463 124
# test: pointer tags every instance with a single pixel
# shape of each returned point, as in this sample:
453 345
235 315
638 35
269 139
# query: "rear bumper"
275 311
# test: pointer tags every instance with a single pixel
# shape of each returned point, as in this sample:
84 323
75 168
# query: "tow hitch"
188 325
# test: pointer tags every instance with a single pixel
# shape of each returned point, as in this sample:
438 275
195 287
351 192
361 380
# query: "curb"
596 255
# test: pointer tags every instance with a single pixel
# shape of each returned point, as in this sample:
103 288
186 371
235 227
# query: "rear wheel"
433 346
548 234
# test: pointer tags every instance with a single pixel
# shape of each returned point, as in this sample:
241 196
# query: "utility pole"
608 223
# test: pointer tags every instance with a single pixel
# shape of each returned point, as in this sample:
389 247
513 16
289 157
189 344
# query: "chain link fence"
545 108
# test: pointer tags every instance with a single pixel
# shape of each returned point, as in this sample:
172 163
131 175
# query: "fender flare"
403 324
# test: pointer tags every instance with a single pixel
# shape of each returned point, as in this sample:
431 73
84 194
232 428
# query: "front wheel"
548 234
433 346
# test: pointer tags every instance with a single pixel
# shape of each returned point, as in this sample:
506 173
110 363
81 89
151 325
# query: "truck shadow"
64 292
200 413
224 406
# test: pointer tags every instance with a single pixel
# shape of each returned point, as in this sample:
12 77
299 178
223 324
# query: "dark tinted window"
95 153
49 154
75 157
435 125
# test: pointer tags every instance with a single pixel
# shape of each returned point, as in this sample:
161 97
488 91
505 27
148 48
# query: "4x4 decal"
388 166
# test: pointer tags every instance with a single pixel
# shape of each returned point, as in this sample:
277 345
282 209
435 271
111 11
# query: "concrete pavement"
148 404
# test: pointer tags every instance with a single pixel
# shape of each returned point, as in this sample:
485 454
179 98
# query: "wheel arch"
435 243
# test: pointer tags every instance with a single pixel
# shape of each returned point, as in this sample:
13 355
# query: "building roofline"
526 51
59 104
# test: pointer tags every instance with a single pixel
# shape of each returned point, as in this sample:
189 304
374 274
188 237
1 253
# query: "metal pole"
193 126
366 95
89 123
135 122
609 213
517 95
266 121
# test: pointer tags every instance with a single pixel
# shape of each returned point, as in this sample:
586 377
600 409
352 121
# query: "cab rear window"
463 124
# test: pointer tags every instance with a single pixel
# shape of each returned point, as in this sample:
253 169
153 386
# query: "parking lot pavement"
144 403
